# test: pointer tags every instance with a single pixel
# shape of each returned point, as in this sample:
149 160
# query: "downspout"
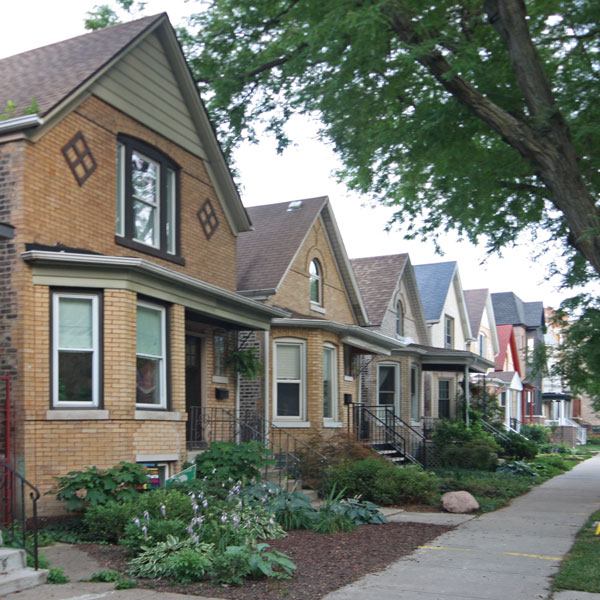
267 384
467 395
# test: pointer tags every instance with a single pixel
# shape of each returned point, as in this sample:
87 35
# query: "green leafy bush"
163 503
140 533
517 468
360 512
93 486
107 523
293 510
379 481
480 454
228 460
517 447
538 433
57 575
556 449
106 576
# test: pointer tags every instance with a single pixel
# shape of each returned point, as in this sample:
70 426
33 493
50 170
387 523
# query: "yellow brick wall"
294 292
59 210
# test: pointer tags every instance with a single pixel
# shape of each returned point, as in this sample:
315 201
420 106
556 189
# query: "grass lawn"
579 570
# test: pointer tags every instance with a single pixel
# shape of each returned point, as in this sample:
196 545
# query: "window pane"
120 190
75 377
144 219
75 323
288 399
149 331
327 383
171 212
387 384
219 355
145 189
148 381
288 362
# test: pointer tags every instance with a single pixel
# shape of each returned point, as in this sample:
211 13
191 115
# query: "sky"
305 170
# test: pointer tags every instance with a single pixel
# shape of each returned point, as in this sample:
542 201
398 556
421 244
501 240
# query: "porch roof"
71 269
450 360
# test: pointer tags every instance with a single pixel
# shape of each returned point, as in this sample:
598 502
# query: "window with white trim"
399 318
330 384
75 350
316 282
151 360
290 380
147 218
388 385
448 332
444 399
482 344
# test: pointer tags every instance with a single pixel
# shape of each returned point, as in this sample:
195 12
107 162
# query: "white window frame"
318 277
334 383
56 403
301 418
396 403
162 405
449 336
482 344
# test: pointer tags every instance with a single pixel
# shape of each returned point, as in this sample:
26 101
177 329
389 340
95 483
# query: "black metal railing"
294 459
15 524
379 425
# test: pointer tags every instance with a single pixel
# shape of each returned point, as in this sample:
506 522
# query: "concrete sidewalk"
511 553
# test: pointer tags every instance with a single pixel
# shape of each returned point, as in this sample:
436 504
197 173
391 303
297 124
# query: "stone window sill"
74 414
157 415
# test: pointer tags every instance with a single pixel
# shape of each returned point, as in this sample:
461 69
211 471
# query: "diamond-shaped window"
208 219
80 158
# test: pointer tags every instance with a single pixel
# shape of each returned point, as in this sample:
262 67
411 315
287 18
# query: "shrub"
329 520
405 485
357 478
360 513
140 533
228 460
293 510
538 433
473 454
518 447
448 432
556 449
163 503
108 523
94 486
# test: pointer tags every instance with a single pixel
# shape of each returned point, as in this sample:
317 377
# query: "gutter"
24 122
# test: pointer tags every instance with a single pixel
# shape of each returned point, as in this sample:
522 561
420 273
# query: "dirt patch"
325 562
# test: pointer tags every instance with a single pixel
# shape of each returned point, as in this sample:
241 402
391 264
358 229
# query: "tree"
474 115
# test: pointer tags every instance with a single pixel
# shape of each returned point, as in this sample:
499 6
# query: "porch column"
267 372
467 396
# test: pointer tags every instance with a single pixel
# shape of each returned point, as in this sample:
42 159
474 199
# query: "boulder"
459 502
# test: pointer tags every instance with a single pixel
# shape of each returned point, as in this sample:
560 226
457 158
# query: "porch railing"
581 431
15 525
493 430
379 425
294 459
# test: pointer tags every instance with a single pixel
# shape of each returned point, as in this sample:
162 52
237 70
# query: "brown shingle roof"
51 73
377 278
265 254
475 300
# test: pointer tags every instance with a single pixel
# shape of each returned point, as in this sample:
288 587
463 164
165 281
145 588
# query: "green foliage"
556 449
68 531
480 454
126 583
538 433
360 512
518 447
93 486
106 576
376 480
57 575
238 562
154 531
106 523
245 362
329 520
11 110
228 460
293 510
517 468
162 559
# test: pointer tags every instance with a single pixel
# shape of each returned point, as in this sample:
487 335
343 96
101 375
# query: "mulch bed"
325 562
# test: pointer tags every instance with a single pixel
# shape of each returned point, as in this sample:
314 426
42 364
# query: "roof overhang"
455 361
368 342
144 277
550 396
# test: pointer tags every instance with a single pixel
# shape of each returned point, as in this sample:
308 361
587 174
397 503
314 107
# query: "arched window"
399 318
316 282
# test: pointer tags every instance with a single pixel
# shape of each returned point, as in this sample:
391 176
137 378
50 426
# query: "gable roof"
510 309
266 254
51 73
377 278
434 281
475 300
60 76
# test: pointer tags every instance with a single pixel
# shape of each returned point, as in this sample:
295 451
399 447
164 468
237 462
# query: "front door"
193 390
388 398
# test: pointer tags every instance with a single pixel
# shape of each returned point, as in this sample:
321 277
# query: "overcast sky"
304 171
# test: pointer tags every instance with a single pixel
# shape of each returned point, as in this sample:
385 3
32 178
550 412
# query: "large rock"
459 502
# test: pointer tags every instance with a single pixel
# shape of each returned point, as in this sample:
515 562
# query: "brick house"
295 260
120 219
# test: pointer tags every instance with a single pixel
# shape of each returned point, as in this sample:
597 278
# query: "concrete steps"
15 575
